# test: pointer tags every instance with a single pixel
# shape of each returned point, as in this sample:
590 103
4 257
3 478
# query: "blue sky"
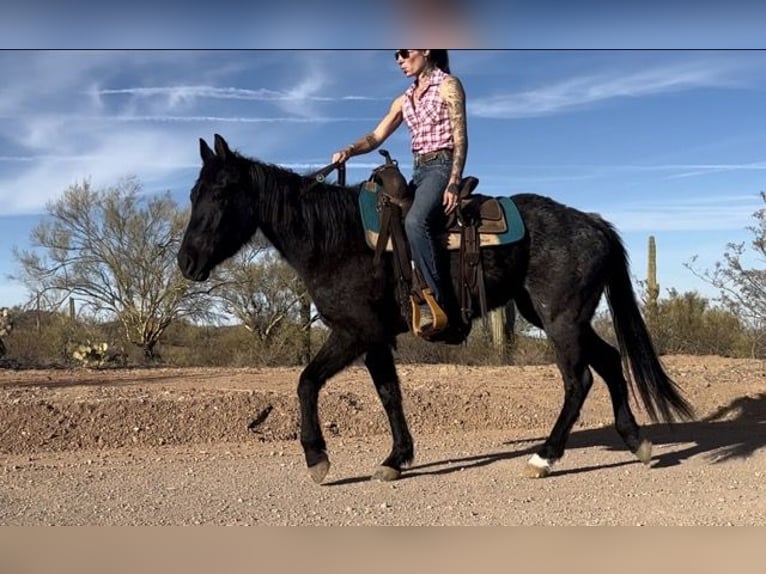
663 143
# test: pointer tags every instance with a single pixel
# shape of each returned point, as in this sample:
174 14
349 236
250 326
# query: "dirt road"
164 446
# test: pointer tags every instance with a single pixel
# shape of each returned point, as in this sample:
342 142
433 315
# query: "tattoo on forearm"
454 97
364 144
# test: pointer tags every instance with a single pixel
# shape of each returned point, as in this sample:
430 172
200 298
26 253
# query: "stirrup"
439 316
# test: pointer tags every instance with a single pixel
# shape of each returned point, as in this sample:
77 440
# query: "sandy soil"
213 446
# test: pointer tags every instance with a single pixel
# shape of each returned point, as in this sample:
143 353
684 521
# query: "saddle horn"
385 154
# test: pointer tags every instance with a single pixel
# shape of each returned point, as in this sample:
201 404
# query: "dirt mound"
61 410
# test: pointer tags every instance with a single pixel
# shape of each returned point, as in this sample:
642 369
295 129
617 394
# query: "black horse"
556 275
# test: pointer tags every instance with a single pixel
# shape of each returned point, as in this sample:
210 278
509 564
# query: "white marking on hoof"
319 471
538 467
386 474
644 452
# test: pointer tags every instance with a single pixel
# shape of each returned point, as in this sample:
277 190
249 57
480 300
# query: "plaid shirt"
429 121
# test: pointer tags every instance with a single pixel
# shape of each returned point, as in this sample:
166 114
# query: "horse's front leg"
339 351
380 363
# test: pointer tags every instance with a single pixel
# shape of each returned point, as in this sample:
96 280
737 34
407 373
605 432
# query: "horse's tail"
657 390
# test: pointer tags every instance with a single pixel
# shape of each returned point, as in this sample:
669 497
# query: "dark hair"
440 59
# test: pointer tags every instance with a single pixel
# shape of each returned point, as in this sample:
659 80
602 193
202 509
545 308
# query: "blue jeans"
425 222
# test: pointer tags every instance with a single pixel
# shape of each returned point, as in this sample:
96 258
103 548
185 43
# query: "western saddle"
473 214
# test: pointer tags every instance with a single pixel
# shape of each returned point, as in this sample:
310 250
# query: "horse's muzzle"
190 268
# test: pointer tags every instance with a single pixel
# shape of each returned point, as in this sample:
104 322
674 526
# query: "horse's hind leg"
565 334
339 351
567 341
380 363
605 360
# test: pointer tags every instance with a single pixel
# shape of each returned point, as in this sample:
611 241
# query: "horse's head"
222 215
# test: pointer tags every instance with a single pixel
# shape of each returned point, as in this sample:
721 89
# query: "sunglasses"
403 54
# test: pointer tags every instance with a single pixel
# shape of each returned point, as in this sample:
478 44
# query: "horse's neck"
278 216
302 227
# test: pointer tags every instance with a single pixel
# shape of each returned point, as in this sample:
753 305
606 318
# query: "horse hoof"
319 471
386 474
533 471
537 467
644 452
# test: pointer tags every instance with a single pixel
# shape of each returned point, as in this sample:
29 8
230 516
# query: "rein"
321 174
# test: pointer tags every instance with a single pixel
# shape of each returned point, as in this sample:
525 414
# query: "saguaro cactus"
652 287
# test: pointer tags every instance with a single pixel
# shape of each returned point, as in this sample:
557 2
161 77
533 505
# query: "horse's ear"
204 151
221 147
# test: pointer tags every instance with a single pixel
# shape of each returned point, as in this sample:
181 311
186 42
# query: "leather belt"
423 158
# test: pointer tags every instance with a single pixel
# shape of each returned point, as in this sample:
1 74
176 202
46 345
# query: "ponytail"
440 59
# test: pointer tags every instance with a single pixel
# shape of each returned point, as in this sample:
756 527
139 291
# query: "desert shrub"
478 349
531 351
6 326
49 338
233 345
49 341
688 324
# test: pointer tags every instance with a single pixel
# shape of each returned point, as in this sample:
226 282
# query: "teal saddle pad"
368 199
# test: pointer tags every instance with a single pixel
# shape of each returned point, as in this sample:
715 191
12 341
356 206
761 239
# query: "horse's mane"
324 215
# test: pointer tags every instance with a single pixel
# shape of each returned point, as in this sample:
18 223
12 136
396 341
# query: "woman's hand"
450 198
341 156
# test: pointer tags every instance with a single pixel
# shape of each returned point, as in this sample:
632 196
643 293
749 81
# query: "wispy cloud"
582 91
217 119
66 118
154 154
655 176
704 169
731 212
175 94
652 221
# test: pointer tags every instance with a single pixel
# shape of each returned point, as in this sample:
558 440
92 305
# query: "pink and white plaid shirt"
429 121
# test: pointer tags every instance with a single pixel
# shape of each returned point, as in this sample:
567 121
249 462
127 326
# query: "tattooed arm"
372 140
451 91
